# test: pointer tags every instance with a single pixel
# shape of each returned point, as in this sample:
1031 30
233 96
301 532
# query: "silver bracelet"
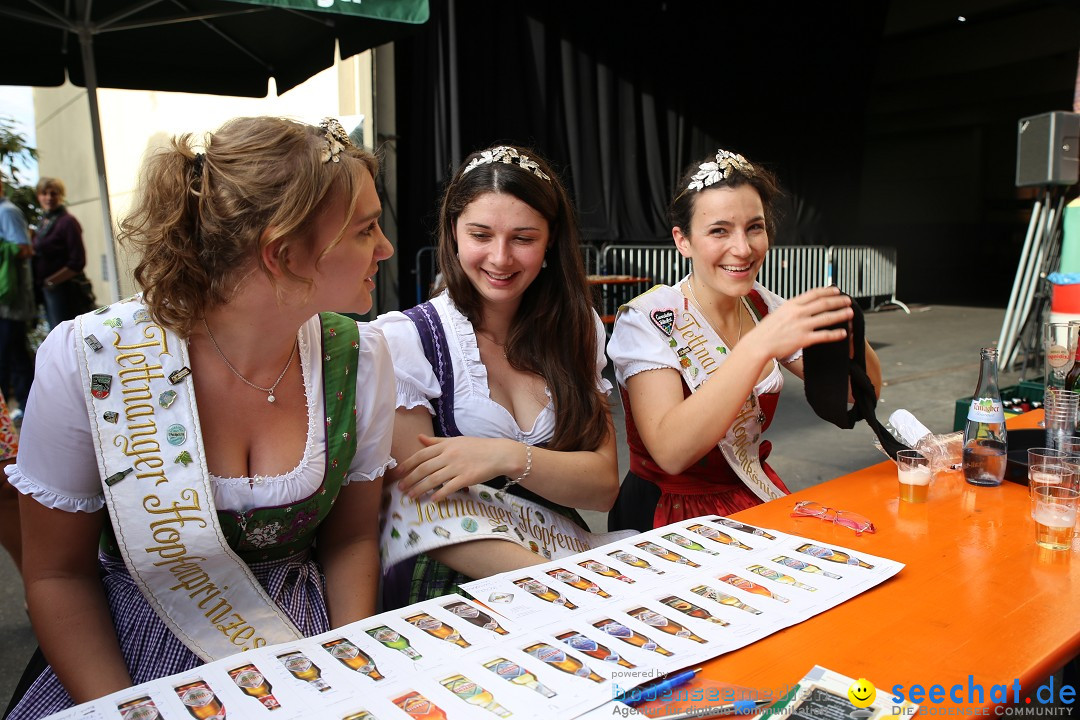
528 469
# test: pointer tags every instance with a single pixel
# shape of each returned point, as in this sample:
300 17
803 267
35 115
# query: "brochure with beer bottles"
558 639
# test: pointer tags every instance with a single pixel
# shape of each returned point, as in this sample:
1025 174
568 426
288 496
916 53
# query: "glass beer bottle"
630 636
694 611
984 432
394 640
576 581
664 624
437 628
473 694
253 684
735 525
140 708
200 700
419 707
749 586
723 598
602 569
302 668
666 554
779 577
518 675
824 553
590 647
559 660
717 536
353 657
543 592
633 561
474 615
687 543
804 566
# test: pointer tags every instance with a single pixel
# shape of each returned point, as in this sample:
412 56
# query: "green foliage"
13 148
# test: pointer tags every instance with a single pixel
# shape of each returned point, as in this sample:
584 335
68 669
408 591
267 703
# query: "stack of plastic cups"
1060 406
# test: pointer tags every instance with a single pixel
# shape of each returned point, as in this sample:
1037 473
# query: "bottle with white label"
984 433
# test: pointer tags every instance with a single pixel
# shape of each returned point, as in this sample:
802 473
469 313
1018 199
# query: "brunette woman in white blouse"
515 397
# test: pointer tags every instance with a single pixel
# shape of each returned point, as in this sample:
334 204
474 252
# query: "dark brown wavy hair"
681 209
554 332
200 222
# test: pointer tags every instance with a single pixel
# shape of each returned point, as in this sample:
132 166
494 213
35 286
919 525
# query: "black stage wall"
889 123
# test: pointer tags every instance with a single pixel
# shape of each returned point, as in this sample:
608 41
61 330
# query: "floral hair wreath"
336 140
509 156
713 172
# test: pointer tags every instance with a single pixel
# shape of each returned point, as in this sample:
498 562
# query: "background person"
700 453
241 248
520 401
60 256
17 304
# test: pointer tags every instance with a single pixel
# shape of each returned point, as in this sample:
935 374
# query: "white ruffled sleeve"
56 463
374 408
635 346
774 301
602 383
414 380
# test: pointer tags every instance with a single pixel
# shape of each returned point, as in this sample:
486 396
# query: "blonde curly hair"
200 222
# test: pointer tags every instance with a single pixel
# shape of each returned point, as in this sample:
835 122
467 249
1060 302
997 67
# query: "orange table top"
977 597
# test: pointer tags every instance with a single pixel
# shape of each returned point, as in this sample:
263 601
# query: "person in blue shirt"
17 304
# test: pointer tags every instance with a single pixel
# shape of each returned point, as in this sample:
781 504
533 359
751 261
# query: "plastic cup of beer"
1049 475
913 472
1053 507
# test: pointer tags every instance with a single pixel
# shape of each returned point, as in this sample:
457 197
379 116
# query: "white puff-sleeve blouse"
475 413
635 346
57 466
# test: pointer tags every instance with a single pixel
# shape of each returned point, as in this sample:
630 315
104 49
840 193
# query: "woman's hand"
802 321
445 465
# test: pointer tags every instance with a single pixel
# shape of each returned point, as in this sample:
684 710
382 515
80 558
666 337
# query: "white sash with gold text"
141 401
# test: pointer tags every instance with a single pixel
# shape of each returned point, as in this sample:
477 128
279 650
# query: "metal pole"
112 275
1005 340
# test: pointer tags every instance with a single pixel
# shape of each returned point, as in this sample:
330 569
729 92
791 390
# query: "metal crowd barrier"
789 270
869 273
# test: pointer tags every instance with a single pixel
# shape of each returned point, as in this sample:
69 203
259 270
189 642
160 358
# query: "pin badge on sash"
177 376
93 342
167 398
664 318
100 385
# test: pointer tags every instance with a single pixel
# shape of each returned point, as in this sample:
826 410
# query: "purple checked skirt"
151 650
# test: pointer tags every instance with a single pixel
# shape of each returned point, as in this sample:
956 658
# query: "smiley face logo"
861 693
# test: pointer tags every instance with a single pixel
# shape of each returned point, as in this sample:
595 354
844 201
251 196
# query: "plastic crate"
1026 390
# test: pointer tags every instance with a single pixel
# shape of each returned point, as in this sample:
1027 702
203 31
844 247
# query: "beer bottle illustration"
518 675
779 577
253 684
717 536
473 694
559 660
543 592
630 636
689 608
590 647
473 614
140 708
353 657
302 668
360 715
824 553
602 569
804 566
419 707
664 624
685 542
735 525
748 586
576 581
200 701
394 640
723 598
634 561
438 629
666 554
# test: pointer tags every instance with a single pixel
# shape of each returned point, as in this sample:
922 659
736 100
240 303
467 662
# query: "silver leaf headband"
336 140
509 156
713 172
